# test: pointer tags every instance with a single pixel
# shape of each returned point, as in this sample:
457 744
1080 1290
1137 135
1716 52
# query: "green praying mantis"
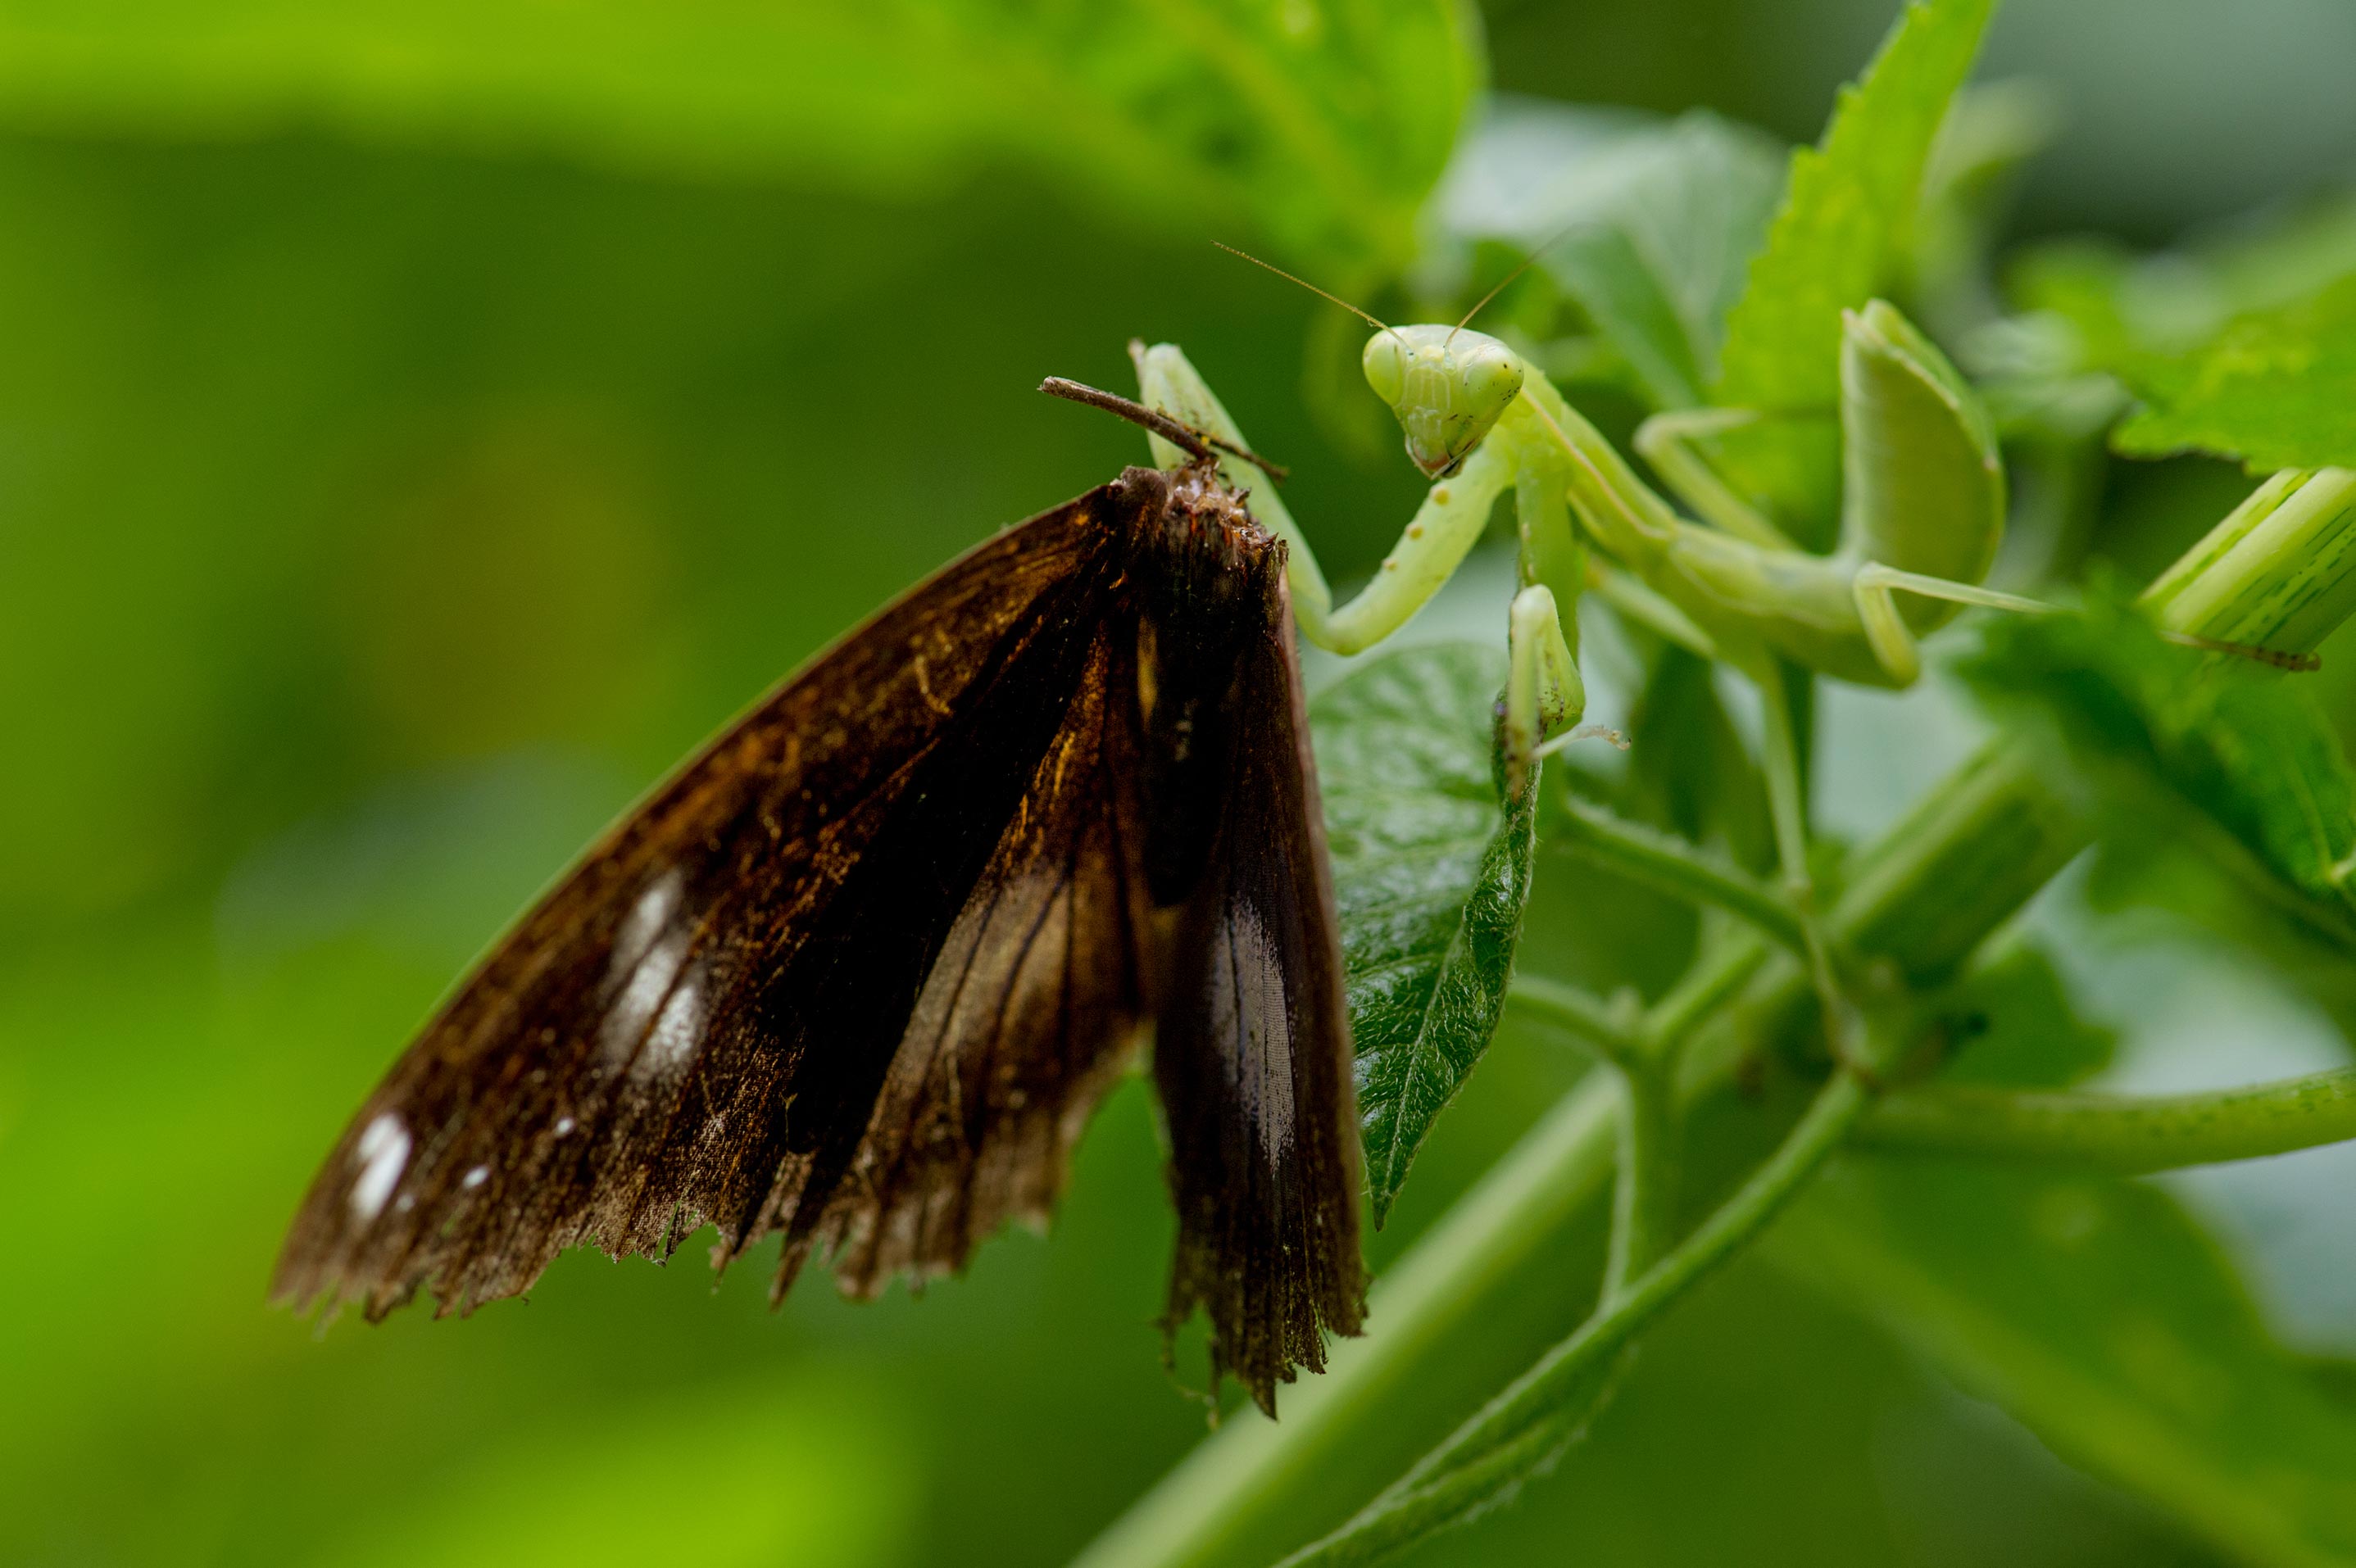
1922 513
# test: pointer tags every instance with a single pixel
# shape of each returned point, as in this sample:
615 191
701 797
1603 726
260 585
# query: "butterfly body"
858 973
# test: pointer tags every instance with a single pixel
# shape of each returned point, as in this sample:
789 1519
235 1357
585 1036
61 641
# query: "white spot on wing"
643 925
564 1126
383 1154
646 989
1247 982
676 1031
476 1178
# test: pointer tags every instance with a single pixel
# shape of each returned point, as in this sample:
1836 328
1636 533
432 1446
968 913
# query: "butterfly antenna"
1304 283
1528 262
1196 443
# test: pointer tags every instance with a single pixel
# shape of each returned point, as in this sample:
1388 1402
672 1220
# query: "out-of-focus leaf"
2011 1016
2247 752
2101 1318
2243 345
808 1473
2273 388
1653 224
1991 131
1843 232
1689 767
1322 125
1849 213
1430 873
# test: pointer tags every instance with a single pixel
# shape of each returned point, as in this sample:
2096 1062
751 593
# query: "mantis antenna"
1528 262
1304 283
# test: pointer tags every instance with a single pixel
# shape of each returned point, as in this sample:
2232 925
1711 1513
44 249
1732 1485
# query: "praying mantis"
1923 515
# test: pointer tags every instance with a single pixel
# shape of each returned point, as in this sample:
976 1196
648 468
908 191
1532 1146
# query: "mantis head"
1448 387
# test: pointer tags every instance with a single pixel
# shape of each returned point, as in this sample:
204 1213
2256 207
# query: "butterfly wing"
1252 1045
856 972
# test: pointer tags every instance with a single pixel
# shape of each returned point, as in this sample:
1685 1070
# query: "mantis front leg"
1544 694
1430 550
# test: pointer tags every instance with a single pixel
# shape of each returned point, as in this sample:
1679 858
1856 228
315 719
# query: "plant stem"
1713 980
2120 1133
1577 1011
1453 1480
1665 862
1232 1481
1645 1197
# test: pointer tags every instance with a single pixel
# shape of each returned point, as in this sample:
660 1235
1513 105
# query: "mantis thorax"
1447 385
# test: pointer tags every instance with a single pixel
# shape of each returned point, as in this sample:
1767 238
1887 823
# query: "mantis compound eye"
1386 365
1492 379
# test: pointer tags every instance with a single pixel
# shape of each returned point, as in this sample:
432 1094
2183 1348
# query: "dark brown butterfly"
859 972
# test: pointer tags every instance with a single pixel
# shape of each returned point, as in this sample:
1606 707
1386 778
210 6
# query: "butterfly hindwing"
1252 1046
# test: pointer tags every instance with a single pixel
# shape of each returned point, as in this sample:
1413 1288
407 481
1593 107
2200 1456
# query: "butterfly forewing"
673 1034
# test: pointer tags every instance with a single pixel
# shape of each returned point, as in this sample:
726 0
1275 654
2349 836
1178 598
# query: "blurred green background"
420 424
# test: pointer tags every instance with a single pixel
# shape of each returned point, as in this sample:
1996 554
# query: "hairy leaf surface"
1850 212
1431 874
2246 351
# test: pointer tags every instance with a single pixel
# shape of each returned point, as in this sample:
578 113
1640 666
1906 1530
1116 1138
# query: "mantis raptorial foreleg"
1543 693
1430 550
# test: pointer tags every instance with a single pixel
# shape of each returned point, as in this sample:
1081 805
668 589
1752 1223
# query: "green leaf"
2012 1017
2098 1314
1694 771
1991 131
1846 224
2243 346
1842 233
2248 752
1652 223
1431 874
1321 125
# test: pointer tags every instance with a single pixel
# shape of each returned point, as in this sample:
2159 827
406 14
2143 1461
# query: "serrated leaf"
2248 752
1847 219
1324 126
2273 387
1431 874
2097 1314
1652 223
1842 234
2243 346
